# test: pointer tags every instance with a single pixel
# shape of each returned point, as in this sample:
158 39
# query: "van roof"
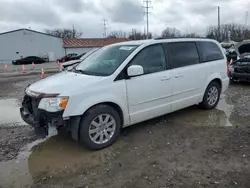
154 41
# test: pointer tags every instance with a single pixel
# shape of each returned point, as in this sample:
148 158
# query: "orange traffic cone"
6 67
43 74
24 69
33 65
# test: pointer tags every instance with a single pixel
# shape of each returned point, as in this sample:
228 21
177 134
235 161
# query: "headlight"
53 104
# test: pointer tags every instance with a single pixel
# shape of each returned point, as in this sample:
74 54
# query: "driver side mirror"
135 70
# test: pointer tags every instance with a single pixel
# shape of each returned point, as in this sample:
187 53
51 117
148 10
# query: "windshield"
106 60
88 54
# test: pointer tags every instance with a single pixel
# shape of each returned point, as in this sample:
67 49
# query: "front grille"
243 69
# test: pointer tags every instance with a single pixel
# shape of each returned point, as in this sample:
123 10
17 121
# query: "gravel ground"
188 148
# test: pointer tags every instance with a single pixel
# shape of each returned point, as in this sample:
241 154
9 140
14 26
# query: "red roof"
91 42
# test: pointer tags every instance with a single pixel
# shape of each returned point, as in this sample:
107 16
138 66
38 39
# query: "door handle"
165 78
178 75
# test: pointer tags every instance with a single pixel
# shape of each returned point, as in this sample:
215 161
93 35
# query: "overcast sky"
87 15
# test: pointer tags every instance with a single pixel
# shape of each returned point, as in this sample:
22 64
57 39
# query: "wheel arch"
75 120
209 81
219 81
113 105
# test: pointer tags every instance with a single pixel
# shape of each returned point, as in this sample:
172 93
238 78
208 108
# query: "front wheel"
100 127
212 96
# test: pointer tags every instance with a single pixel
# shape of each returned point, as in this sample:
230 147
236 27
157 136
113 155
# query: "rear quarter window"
182 54
209 51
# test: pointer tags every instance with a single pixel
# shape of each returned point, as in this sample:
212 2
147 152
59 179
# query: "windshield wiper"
82 72
65 66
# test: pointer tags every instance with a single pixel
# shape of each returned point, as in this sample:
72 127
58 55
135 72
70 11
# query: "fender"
210 78
78 108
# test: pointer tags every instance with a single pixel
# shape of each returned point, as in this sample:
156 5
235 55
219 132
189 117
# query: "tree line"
235 32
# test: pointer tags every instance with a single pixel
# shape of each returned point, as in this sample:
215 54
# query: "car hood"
243 47
63 83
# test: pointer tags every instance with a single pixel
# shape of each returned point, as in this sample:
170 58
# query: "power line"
146 8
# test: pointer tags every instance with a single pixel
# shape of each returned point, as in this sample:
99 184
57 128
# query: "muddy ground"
189 148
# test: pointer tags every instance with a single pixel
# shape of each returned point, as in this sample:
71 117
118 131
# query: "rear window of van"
209 51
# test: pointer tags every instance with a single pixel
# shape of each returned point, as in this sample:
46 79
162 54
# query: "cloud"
21 13
76 6
126 11
87 15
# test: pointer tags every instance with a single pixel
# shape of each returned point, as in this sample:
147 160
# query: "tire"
90 121
207 102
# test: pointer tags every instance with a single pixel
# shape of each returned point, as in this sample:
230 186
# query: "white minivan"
126 83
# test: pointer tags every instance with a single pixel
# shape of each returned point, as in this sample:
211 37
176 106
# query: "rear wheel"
212 96
100 127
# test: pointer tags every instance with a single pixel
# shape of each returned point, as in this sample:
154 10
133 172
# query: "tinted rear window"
182 54
210 51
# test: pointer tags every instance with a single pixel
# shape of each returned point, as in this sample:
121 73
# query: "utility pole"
73 32
218 24
245 33
104 28
146 8
247 12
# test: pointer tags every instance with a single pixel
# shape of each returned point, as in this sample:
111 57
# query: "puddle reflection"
58 157
9 113
195 116
55 157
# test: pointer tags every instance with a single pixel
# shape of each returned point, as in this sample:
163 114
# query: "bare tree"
170 32
138 35
117 34
191 35
64 33
235 32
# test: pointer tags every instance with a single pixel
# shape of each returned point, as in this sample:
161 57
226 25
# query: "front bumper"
240 76
36 117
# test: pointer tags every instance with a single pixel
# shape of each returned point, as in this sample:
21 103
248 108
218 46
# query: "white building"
83 45
25 42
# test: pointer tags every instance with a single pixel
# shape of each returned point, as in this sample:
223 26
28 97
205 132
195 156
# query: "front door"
149 95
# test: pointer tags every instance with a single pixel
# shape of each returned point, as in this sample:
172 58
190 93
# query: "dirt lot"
189 148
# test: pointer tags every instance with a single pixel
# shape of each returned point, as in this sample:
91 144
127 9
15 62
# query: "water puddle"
55 157
195 116
9 113
15 173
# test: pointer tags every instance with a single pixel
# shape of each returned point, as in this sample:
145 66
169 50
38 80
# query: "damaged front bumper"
38 118
43 120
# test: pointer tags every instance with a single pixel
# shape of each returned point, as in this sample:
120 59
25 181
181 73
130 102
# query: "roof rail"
159 38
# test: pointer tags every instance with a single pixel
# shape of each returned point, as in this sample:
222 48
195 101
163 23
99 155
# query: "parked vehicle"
29 60
78 57
126 83
67 57
240 69
73 63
